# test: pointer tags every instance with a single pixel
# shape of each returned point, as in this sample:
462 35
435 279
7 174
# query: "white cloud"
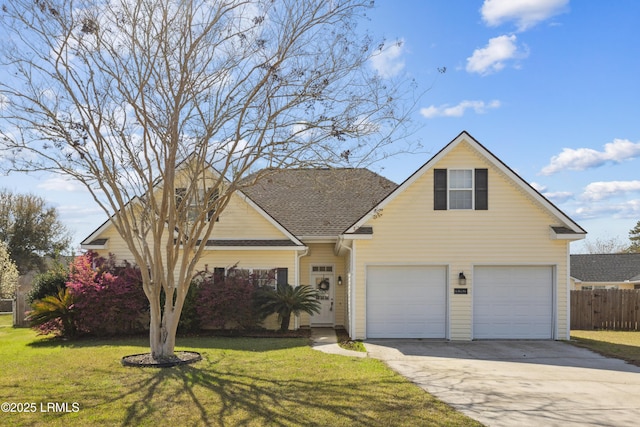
492 57
78 213
59 183
586 158
388 61
480 107
538 187
608 189
554 196
558 196
525 13
628 210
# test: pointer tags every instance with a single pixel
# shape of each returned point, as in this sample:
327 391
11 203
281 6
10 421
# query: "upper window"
197 203
460 189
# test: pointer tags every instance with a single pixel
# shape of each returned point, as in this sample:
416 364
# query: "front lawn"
620 344
240 381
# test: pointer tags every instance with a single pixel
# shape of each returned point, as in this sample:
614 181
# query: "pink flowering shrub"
108 297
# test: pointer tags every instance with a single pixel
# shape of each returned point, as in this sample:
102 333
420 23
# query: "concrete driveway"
519 383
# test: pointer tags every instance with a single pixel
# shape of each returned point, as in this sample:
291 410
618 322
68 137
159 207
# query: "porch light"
462 281
340 280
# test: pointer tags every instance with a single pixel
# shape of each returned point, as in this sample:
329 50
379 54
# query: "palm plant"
287 300
54 314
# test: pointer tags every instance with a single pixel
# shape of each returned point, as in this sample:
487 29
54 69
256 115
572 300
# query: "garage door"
513 302
406 302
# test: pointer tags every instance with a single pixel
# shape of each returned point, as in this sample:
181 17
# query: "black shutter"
212 200
482 189
282 276
440 189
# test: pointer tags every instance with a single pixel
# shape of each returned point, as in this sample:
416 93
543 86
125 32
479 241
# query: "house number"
460 291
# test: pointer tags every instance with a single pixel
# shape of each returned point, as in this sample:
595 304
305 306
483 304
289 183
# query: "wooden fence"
613 309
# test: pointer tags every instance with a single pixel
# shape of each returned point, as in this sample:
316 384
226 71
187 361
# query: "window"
460 189
260 276
196 204
457 189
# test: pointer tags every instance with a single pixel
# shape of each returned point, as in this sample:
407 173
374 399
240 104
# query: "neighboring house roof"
606 267
319 202
569 229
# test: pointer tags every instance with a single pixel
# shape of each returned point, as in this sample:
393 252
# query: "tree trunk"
162 330
284 325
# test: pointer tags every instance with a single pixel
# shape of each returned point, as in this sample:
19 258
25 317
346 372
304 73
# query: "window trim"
471 189
196 201
280 274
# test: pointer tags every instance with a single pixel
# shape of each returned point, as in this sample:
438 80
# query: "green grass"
240 381
345 341
623 345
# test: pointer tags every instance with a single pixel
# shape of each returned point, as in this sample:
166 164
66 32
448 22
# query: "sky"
551 87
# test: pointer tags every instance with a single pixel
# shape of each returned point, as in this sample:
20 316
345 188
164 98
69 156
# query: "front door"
323 283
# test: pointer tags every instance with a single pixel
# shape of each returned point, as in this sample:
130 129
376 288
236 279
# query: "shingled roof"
319 202
606 267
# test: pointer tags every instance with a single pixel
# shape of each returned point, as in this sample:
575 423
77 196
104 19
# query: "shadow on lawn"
252 398
628 353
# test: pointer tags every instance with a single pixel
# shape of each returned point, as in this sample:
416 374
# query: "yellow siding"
239 220
515 230
323 254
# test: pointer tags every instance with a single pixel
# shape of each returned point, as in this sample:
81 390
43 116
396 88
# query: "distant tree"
8 273
31 230
634 237
612 245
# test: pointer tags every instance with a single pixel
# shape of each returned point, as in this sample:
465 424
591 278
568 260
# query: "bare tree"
128 96
612 245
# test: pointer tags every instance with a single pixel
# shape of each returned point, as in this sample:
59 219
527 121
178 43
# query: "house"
605 271
463 249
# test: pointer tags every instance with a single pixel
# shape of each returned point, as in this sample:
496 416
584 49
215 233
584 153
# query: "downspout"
296 320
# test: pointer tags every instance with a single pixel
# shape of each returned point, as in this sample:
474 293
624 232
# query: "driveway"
519 383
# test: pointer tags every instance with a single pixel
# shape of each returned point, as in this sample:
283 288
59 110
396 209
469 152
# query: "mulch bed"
145 360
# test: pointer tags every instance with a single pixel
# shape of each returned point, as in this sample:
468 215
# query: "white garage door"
513 302
406 302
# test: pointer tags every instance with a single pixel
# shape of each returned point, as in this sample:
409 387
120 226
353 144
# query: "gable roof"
569 230
304 202
319 202
606 267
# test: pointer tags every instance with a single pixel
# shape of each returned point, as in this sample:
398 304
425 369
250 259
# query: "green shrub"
54 314
48 283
